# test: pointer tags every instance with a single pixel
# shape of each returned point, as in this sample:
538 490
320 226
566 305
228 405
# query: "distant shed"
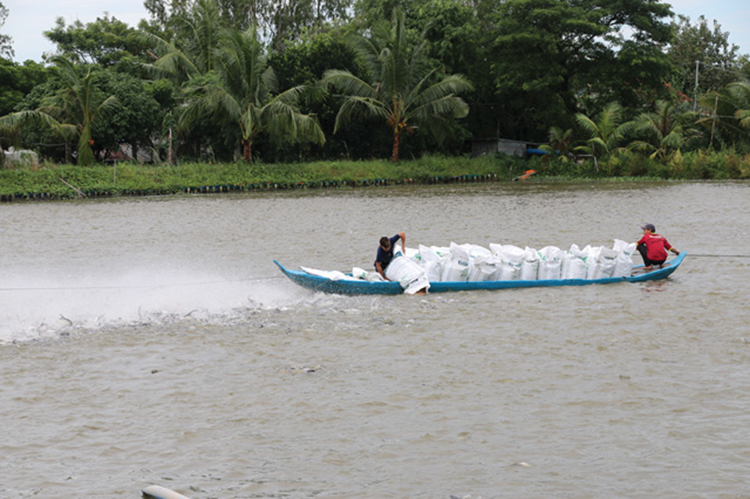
510 147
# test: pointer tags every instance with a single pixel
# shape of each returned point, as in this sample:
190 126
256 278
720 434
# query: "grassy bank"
51 181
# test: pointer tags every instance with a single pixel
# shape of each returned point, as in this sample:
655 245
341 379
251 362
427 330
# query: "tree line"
255 80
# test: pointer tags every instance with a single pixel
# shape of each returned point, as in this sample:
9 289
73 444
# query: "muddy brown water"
152 341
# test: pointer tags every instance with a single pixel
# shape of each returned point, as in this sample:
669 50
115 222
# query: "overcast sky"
27 19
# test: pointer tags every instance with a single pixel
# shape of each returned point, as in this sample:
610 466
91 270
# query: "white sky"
28 19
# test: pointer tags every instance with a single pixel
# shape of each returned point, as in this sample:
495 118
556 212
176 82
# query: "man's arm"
670 247
379 268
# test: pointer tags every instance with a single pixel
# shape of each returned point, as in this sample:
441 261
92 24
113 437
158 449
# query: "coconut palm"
190 54
73 110
560 143
403 90
606 133
740 94
194 50
244 90
718 116
78 103
668 128
10 126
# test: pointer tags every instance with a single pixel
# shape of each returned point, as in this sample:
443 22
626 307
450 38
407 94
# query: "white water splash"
40 308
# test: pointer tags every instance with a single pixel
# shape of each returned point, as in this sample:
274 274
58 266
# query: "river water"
152 341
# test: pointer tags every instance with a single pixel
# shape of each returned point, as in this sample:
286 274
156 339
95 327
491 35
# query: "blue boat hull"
361 287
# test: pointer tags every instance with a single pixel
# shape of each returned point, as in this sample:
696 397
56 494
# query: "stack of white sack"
459 264
433 260
598 262
471 262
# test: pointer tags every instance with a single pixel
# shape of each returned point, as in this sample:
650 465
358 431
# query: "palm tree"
740 94
718 116
245 90
73 110
78 104
403 90
560 143
194 50
10 127
189 55
669 130
606 133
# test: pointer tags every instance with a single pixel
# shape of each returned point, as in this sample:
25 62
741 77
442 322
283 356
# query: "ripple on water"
168 356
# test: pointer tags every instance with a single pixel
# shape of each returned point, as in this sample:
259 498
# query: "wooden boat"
362 287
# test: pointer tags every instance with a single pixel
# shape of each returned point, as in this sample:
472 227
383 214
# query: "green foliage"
244 91
739 96
105 41
548 55
137 118
606 132
304 63
16 81
667 129
534 65
77 107
6 42
189 50
402 89
710 47
720 165
52 180
278 22
560 144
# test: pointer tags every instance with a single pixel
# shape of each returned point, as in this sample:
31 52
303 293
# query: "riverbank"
51 181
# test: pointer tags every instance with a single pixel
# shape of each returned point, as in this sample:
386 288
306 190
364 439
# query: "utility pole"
695 94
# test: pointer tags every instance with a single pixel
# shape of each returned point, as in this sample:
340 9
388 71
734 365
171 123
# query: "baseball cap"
648 227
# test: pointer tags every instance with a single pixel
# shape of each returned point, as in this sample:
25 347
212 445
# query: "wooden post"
80 193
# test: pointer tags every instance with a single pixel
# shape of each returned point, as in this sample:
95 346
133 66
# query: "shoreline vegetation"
49 181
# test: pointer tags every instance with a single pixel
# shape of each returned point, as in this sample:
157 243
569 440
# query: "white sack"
624 259
408 274
431 262
511 258
365 275
574 263
457 268
486 268
624 247
601 263
333 275
412 254
477 254
550 263
530 265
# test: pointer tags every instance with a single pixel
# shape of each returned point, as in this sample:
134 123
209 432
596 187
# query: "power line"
720 68
719 256
139 286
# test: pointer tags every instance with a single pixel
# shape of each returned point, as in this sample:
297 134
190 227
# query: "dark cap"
648 227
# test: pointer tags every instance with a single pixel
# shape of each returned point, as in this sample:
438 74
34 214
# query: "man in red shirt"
653 247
